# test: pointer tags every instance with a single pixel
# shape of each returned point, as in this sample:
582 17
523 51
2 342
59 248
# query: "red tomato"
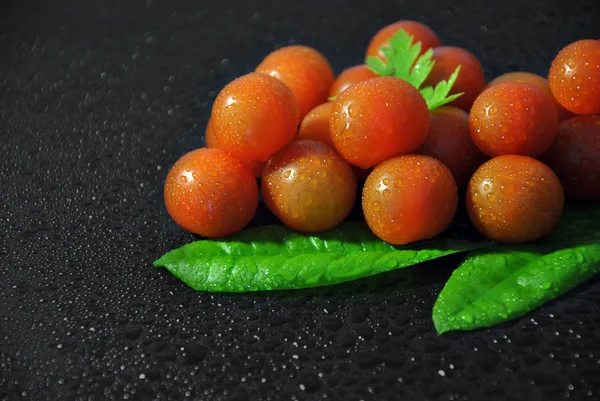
470 80
420 32
211 142
514 199
575 157
449 141
254 116
513 118
376 119
211 193
304 70
535 80
308 186
349 77
575 77
409 198
315 125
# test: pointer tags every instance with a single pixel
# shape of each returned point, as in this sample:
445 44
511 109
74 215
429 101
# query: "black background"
99 98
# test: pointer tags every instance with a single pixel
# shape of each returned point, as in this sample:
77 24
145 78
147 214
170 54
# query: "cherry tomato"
575 157
470 80
375 119
575 77
315 125
420 33
254 116
211 142
513 118
349 77
449 141
211 193
409 198
308 186
304 70
514 199
535 80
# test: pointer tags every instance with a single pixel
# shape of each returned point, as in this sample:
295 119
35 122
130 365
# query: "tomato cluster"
516 146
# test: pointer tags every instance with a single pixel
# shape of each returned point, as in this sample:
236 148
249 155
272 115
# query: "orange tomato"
575 77
409 198
315 126
254 116
304 70
376 119
420 32
513 118
211 193
514 199
308 186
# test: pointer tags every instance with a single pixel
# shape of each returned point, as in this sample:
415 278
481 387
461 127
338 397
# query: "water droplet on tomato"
352 110
491 110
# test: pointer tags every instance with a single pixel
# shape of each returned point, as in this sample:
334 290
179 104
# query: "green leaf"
438 96
422 69
505 282
277 258
402 61
379 67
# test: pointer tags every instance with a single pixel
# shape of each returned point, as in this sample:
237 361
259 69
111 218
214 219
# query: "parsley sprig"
403 60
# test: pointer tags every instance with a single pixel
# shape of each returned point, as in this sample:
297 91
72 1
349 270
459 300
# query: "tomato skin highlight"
315 126
376 119
211 193
420 33
304 70
409 198
575 77
450 142
349 77
309 187
535 80
513 118
575 157
254 116
470 81
211 142
515 199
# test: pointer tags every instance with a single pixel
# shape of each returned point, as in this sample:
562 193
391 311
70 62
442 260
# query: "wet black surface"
99 98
